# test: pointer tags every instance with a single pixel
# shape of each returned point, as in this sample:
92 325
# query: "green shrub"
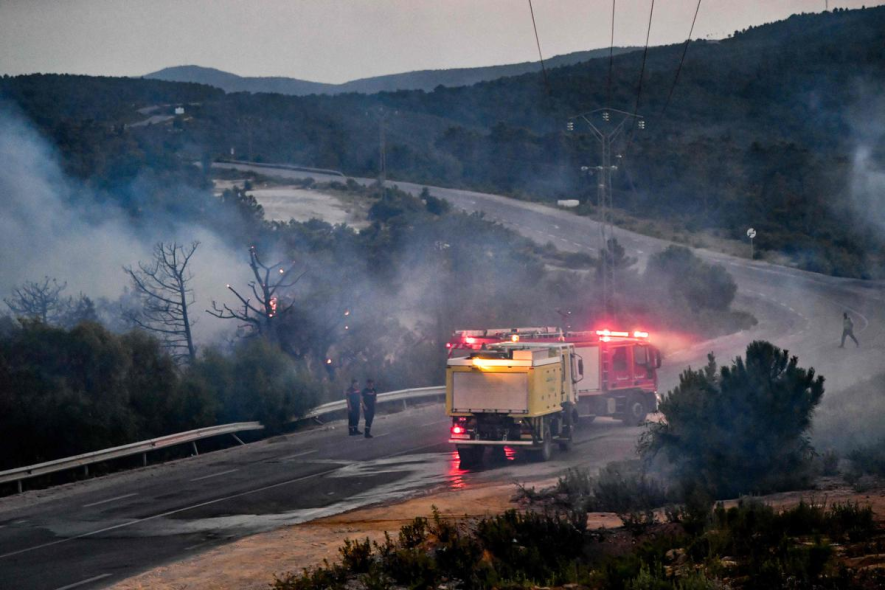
624 488
868 460
356 556
414 568
829 463
576 484
850 521
327 577
742 428
530 546
414 533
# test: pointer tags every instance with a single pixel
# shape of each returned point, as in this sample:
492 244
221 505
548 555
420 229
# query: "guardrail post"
20 489
237 438
86 470
194 445
405 405
144 459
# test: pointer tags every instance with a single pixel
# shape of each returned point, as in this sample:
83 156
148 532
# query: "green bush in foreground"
739 429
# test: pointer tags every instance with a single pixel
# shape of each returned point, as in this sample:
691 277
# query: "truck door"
621 367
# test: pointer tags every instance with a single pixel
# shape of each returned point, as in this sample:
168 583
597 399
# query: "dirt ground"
283 202
251 563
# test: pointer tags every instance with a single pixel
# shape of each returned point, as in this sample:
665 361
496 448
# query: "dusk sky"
340 40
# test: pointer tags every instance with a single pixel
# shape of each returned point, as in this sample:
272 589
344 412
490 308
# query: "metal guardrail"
293 167
19 474
403 395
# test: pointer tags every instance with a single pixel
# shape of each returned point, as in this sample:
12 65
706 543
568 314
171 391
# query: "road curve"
98 532
797 310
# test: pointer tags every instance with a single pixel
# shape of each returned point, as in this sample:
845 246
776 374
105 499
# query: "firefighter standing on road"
369 395
352 395
847 330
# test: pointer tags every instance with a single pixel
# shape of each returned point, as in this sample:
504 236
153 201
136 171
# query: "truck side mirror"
580 370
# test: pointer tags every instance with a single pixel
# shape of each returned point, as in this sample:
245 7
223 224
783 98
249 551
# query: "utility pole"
382 151
606 125
382 116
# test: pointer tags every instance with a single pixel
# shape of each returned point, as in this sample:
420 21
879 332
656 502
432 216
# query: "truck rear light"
459 428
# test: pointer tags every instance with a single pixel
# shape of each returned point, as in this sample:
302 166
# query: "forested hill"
417 80
774 128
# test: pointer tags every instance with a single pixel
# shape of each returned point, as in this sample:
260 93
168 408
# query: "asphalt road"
95 533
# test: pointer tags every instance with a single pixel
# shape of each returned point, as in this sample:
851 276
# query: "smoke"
867 182
50 226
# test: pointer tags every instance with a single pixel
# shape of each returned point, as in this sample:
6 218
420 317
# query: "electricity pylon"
606 125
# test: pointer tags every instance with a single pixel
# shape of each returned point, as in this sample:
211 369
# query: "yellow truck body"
513 395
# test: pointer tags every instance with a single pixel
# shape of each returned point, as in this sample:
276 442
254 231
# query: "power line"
682 60
611 57
644 56
651 13
538 43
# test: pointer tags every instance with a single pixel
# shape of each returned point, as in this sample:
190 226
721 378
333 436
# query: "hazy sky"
340 40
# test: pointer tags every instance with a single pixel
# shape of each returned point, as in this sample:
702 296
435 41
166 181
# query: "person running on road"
847 330
352 395
369 395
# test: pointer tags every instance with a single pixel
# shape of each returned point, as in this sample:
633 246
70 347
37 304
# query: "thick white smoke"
43 234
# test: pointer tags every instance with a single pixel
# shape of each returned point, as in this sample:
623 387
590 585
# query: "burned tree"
258 315
41 301
163 287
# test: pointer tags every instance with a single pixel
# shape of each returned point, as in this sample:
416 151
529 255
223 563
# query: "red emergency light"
458 429
609 333
470 340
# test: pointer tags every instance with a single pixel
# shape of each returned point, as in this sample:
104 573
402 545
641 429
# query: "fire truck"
515 394
620 367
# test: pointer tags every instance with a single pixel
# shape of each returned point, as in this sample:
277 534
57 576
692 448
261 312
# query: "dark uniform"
352 395
369 396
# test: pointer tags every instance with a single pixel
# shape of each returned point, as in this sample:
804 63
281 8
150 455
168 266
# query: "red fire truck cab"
619 367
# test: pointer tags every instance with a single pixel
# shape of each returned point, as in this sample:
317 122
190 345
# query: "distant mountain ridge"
417 80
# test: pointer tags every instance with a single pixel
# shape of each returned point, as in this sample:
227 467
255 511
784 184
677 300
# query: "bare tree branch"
269 290
40 300
163 286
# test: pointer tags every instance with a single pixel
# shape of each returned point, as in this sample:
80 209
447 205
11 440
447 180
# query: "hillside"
778 127
233 83
419 80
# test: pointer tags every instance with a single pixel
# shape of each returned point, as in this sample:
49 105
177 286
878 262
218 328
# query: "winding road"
98 532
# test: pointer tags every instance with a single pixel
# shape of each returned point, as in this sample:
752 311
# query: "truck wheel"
470 456
636 411
498 454
546 451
